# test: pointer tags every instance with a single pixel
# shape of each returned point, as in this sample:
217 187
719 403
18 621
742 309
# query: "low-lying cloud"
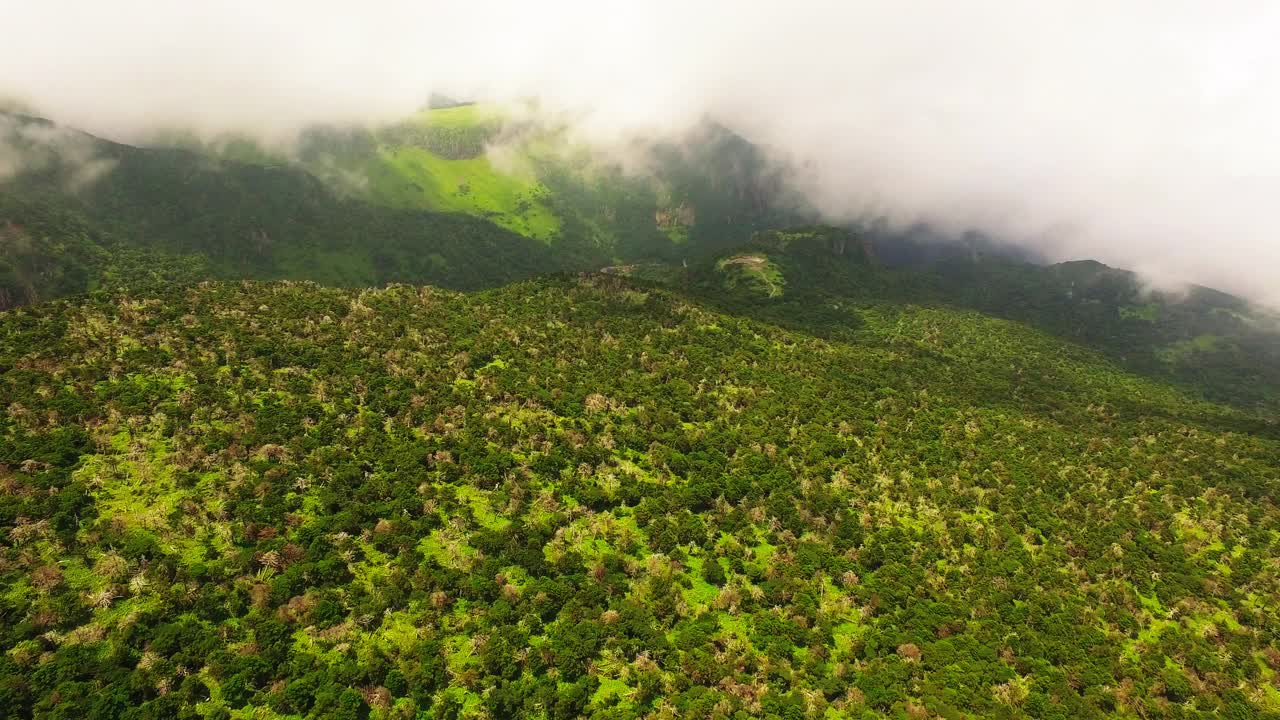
1141 133
27 147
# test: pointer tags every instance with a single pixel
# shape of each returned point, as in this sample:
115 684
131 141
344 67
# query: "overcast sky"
1145 134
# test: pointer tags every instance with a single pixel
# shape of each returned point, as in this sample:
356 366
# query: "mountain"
468 197
235 219
589 496
821 278
421 201
525 171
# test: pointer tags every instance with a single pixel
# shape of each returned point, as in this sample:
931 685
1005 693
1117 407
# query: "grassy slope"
415 177
688 201
405 175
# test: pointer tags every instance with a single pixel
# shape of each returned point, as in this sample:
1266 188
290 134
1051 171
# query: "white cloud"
31 147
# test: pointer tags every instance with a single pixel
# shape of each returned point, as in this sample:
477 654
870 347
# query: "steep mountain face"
590 497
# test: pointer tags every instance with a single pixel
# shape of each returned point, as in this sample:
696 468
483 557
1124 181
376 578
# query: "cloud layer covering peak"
1145 134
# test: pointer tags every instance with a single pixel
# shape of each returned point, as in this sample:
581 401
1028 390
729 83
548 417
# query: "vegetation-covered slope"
438 160
581 496
233 219
47 251
423 201
525 172
1209 342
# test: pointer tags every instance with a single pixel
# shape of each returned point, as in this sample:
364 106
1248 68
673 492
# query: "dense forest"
591 496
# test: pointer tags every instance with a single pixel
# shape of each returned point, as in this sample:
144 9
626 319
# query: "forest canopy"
590 496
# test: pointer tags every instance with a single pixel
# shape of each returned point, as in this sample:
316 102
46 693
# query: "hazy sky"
1142 133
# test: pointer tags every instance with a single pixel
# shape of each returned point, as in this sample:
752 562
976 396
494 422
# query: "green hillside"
156 215
814 277
228 219
573 497
438 161
428 200
529 176
416 177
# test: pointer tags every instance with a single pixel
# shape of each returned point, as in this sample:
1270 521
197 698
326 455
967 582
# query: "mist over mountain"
1143 135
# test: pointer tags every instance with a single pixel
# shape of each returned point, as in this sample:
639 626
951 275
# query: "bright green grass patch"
1219 618
1270 697
373 570
125 608
754 273
79 576
844 635
636 472
460 653
735 626
1148 637
196 550
120 441
612 692
701 593
459 116
1151 603
399 633
451 553
257 712
594 537
762 554
484 514
17 593
417 178
140 491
